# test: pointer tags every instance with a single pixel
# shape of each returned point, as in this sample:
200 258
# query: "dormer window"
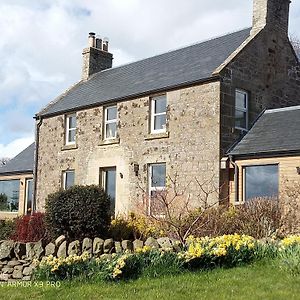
158 114
241 110
71 129
110 122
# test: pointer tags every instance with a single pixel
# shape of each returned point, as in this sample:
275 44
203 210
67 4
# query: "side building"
266 163
16 185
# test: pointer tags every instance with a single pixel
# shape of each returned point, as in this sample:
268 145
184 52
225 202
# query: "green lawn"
262 280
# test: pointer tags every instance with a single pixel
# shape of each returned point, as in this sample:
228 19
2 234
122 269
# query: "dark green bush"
7 227
78 212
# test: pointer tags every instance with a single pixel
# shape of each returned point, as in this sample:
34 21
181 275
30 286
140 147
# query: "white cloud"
12 149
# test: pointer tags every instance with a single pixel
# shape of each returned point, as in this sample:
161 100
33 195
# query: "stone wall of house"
266 67
18 260
268 70
190 147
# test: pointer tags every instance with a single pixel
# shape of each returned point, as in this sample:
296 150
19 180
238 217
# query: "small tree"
78 212
290 202
174 210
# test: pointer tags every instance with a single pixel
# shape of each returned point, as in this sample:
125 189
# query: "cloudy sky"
41 43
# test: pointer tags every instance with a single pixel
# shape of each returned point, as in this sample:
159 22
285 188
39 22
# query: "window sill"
241 129
69 147
153 136
110 142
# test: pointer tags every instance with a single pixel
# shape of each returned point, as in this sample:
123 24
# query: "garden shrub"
7 228
135 226
30 228
259 218
78 212
121 229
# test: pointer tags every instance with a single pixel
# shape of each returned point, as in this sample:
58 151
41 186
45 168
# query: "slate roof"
276 131
172 69
22 163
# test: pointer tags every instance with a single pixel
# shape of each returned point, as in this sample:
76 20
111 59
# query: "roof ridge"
174 50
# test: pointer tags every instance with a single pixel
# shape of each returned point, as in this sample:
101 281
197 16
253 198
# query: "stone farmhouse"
135 128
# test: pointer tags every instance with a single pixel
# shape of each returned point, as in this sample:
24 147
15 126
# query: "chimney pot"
91 39
105 44
98 43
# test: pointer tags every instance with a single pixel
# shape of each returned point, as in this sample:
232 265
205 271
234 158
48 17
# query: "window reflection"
261 181
9 195
108 183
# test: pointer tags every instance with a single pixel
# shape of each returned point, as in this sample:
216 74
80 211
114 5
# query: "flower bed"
227 250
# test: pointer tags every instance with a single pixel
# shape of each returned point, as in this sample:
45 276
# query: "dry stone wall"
17 260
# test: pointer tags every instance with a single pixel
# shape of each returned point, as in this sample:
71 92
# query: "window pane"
72 122
158 175
160 122
111 113
9 195
111 130
240 119
109 182
261 181
71 136
29 195
240 100
160 104
70 179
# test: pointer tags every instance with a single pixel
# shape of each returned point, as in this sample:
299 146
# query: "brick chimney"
271 13
96 57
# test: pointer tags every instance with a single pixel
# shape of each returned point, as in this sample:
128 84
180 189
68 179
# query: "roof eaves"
262 154
13 173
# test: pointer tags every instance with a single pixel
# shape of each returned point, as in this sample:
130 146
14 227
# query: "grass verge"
261 280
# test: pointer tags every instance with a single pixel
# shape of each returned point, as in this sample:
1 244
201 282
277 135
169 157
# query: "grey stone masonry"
274 13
